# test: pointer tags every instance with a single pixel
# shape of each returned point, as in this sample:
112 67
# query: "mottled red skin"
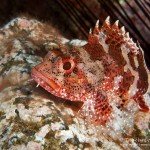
74 83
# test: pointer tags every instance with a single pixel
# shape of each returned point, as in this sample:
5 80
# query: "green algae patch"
49 104
15 140
74 141
99 144
2 115
19 126
50 134
48 119
26 89
23 100
136 132
52 143
11 63
142 140
29 128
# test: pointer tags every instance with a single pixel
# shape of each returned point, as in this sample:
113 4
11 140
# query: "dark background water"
74 18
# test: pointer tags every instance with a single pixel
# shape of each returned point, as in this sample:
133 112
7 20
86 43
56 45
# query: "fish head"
66 73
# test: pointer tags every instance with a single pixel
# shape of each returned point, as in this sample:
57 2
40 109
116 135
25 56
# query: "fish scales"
109 65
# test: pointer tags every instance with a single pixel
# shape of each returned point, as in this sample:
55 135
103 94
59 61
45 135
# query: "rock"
30 117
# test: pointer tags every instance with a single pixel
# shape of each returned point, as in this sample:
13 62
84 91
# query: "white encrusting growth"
76 42
64 40
57 126
11 23
39 136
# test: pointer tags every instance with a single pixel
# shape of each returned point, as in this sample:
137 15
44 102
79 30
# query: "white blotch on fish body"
133 88
117 80
102 41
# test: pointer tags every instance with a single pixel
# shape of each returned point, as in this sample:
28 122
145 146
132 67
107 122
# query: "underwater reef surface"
31 118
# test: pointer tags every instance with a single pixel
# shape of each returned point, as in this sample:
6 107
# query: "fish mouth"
47 83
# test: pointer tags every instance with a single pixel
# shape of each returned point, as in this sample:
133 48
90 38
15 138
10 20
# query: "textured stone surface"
30 117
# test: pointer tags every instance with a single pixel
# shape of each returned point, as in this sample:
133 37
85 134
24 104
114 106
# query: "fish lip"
42 80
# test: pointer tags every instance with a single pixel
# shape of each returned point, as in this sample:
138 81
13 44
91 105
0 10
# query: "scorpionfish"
109 67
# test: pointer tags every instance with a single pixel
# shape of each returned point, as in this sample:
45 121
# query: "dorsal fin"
115 42
112 33
96 29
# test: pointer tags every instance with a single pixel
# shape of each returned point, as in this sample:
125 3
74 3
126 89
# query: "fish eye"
67 65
